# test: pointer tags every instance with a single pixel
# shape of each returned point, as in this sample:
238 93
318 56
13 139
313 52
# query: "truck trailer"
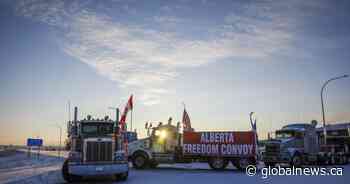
167 144
95 148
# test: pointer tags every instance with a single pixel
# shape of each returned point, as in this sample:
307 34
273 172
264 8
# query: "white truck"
167 145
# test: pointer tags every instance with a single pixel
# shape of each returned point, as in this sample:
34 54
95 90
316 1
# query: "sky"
223 59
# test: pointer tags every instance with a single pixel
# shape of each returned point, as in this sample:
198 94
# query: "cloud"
145 59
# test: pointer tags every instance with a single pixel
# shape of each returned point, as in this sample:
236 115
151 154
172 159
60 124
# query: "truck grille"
98 151
272 148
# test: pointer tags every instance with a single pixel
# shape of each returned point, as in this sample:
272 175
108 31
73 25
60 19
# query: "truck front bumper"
98 169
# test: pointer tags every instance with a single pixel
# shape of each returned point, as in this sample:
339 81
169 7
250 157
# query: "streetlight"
323 114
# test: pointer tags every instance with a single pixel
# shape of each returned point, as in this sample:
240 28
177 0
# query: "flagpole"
132 110
69 117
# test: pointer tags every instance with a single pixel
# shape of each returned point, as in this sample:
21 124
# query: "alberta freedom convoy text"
218 143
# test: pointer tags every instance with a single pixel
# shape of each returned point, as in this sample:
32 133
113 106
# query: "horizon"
223 60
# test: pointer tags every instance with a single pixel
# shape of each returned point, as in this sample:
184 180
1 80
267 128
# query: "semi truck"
300 144
166 144
95 148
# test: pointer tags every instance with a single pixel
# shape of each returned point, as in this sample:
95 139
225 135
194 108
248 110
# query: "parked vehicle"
338 141
299 144
167 145
95 149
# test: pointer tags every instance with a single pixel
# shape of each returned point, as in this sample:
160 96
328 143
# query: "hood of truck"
280 141
138 144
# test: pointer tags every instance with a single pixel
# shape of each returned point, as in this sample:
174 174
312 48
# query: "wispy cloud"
145 59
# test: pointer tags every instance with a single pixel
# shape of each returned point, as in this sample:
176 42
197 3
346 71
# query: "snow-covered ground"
17 167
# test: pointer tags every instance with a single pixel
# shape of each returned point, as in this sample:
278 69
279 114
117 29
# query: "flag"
122 122
186 121
254 126
128 107
252 123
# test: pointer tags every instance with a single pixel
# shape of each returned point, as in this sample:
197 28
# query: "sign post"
34 142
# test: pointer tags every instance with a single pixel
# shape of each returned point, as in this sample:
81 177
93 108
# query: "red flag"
186 121
123 132
127 108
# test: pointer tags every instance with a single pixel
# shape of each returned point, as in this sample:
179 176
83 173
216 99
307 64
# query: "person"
169 120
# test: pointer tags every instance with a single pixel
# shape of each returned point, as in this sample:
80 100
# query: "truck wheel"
69 177
218 163
296 161
122 176
243 163
270 164
139 161
341 160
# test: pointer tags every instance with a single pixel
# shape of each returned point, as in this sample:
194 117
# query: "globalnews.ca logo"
251 170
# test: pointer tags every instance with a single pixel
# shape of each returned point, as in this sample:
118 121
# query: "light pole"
322 103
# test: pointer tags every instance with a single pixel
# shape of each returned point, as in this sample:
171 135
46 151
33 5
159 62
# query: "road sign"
34 142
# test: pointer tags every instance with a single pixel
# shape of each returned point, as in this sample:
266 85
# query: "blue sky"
223 59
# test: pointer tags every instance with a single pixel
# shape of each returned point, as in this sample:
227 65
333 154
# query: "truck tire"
217 163
341 159
122 176
296 161
139 161
69 177
242 163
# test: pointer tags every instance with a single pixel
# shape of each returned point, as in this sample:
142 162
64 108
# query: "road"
17 167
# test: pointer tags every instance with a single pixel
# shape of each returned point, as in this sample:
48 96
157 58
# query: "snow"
17 167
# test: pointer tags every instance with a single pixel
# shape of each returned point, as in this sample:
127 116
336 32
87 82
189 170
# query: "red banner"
219 143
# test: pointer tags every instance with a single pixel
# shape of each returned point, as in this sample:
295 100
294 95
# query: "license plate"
99 168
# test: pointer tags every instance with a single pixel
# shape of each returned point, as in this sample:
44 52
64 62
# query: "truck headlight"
163 134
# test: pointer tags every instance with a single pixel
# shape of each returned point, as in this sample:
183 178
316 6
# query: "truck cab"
161 146
291 144
95 148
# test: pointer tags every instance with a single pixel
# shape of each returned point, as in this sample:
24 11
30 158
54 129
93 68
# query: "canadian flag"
122 122
127 108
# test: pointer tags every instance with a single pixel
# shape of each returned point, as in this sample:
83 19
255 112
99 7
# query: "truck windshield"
97 129
284 134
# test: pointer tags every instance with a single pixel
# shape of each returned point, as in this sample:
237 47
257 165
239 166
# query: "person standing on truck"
169 120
